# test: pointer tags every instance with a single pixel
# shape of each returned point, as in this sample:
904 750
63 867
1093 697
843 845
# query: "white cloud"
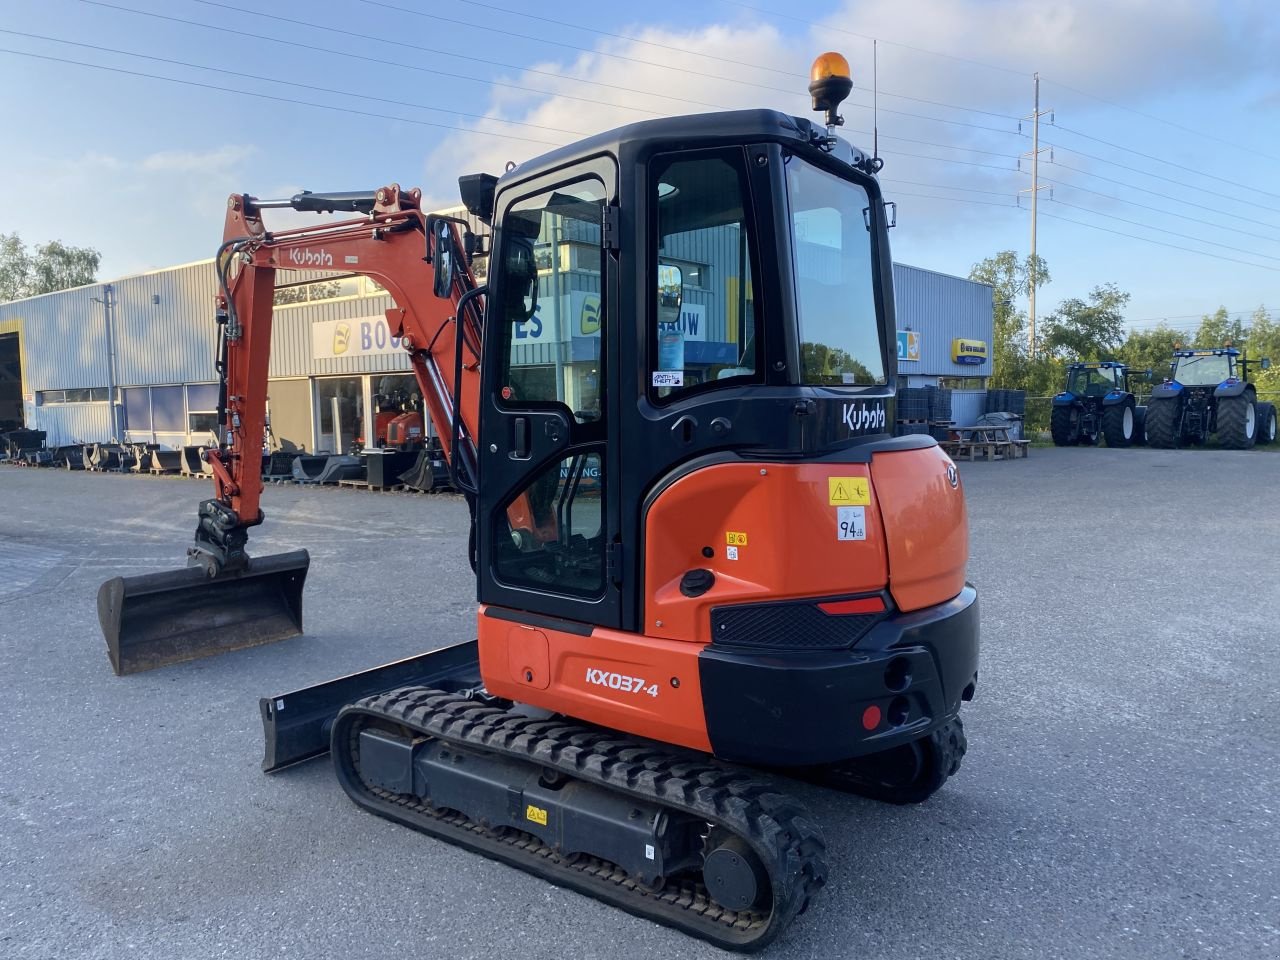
218 161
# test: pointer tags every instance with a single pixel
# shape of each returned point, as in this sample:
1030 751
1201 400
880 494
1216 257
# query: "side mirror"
670 293
442 258
1266 363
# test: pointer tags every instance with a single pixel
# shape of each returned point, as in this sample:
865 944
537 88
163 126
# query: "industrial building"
132 360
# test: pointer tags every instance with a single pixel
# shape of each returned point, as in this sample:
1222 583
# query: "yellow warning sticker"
735 539
848 491
535 814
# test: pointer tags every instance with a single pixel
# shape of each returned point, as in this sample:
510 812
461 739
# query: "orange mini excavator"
696 544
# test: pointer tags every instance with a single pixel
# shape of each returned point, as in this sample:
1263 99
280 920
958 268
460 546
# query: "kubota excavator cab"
688 383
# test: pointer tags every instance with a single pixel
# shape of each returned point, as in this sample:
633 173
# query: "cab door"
547 507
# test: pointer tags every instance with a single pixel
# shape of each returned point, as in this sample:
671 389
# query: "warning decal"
735 539
848 491
535 814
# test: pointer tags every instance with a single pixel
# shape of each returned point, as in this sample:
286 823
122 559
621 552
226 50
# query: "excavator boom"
224 599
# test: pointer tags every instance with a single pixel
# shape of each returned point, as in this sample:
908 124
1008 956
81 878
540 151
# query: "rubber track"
776 826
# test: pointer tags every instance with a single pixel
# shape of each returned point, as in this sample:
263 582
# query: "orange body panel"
785 515
641 685
928 528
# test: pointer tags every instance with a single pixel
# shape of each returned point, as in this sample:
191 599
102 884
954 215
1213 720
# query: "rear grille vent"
789 625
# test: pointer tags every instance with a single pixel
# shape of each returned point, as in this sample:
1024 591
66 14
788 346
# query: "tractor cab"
1211 368
1097 404
1096 379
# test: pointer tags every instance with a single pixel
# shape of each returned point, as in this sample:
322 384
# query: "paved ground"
1120 797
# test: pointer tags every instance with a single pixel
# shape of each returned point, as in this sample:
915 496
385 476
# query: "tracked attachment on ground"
156 619
715 851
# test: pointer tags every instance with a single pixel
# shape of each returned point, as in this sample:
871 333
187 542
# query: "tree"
1010 279
15 264
53 266
1218 330
1151 349
1091 330
1264 341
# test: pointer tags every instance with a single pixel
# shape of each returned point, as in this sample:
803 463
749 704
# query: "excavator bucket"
156 619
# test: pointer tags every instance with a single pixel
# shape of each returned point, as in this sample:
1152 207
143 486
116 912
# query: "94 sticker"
620 682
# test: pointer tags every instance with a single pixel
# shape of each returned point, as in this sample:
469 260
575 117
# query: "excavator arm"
224 600
395 244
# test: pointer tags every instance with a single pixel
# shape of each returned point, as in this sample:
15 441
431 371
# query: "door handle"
520 438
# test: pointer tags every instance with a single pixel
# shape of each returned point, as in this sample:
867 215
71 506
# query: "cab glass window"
551 309
831 223
703 318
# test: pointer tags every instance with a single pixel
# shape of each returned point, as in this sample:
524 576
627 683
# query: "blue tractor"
1208 392
1097 404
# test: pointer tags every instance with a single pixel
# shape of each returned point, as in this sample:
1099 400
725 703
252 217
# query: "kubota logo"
304 257
341 338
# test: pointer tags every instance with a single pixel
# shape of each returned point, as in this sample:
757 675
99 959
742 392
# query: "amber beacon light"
830 81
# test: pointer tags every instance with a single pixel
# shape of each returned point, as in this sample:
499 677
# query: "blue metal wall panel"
165 331
942 308
64 338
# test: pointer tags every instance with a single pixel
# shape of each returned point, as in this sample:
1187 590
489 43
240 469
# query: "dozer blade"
157 619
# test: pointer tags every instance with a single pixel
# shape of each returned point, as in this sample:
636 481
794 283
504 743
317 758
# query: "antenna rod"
875 99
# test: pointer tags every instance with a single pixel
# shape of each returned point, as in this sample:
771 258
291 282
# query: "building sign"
909 345
360 337
968 351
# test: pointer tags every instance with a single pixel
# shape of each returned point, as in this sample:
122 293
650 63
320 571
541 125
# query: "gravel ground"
1119 799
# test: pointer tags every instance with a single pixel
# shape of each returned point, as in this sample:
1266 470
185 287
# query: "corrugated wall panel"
165 326
73 422
942 308
64 338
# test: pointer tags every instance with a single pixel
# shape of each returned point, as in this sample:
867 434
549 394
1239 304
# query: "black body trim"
802 708
538 620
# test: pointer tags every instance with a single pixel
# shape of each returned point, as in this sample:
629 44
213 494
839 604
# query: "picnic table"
988 440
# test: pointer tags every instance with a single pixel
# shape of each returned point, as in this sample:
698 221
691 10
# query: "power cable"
1159 243
489 28
1148 156
666 46
929 196
1168 213
947 186
1155 193
292 83
383 61
867 36
1151 116
266 96
710 76
1181 183
1172 233
1002 69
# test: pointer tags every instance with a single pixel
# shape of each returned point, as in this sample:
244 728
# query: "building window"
202 410
963 383
79 395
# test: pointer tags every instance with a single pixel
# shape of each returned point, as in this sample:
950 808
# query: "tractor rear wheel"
1237 422
1163 427
1064 424
1266 415
1119 424
1139 425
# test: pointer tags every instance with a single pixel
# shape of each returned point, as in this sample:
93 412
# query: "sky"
1158 157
